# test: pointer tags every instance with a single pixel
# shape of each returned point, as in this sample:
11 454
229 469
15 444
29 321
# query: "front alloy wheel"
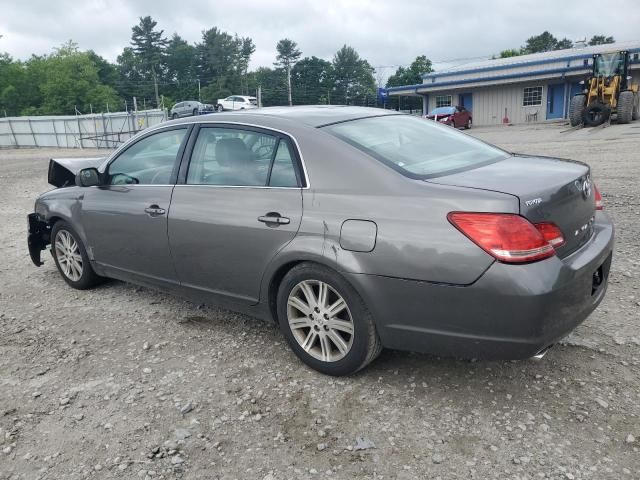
320 320
68 255
71 257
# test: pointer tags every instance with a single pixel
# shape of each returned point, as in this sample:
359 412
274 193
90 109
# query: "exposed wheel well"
274 284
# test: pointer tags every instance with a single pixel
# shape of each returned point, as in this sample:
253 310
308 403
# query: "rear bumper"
511 312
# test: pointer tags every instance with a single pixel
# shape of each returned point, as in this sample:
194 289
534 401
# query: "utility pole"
259 95
155 86
289 84
199 90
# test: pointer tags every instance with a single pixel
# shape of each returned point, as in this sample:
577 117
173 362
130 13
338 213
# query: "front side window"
443 101
416 147
149 161
532 96
235 157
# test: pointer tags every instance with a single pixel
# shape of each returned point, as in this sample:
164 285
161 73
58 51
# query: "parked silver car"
353 228
190 109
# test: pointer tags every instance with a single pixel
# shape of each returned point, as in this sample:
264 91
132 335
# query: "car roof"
310 115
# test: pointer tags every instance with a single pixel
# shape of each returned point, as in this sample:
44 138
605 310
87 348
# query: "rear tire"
174 116
71 257
625 106
576 109
636 107
595 114
195 112
468 125
332 340
219 108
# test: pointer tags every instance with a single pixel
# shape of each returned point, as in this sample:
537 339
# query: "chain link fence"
104 130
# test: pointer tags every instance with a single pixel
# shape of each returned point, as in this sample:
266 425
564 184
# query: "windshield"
609 64
443 111
416 147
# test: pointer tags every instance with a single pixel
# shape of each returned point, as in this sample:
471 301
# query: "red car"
457 117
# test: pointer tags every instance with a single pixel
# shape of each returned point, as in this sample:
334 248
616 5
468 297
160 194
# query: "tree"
288 55
149 46
271 81
411 75
353 76
181 68
601 40
311 78
510 52
544 42
247 47
218 57
563 44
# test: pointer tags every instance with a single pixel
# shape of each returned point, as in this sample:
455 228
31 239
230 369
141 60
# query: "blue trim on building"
516 65
533 73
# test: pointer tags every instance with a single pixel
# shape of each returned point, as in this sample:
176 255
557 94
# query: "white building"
527 88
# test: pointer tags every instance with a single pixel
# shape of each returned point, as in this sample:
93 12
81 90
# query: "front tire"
71 257
576 109
325 321
468 125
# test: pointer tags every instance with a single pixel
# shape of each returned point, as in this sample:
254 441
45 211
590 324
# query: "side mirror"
88 177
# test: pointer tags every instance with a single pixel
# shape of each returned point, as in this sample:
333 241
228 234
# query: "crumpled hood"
62 171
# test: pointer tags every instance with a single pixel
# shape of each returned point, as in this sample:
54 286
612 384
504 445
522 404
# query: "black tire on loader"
595 114
576 108
625 106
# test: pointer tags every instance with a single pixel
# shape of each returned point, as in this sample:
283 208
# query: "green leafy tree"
218 57
271 81
411 75
601 40
563 44
545 42
181 69
288 55
312 79
149 46
247 48
354 82
510 52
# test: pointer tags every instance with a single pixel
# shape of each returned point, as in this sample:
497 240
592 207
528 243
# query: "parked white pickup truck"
236 102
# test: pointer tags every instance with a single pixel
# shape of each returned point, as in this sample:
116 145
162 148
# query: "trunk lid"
547 189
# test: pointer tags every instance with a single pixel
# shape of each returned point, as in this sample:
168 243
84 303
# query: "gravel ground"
126 382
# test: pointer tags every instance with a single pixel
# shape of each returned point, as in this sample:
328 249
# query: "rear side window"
236 157
416 147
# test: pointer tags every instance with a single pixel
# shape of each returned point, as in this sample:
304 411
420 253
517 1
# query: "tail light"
508 237
599 202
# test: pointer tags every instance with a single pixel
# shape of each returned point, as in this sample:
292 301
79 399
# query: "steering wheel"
264 151
159 172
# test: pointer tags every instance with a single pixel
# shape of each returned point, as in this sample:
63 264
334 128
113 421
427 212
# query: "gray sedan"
352 228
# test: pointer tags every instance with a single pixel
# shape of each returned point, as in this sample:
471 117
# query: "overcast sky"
386 33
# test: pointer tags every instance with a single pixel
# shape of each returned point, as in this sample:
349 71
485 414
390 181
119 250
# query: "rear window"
443 111
416 147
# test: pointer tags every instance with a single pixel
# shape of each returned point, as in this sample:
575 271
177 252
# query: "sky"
386 33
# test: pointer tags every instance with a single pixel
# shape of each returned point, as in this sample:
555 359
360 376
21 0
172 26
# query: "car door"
125 219
237 203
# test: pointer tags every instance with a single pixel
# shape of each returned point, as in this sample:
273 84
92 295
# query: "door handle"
274 218
154 210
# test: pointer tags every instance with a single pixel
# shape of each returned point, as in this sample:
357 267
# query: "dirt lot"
125 382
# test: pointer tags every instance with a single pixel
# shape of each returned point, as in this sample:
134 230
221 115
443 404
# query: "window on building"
532 96
443 101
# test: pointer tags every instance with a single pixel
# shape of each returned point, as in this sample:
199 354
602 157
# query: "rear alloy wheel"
325 321
71 257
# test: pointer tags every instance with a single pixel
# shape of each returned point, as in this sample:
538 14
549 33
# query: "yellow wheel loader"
607 92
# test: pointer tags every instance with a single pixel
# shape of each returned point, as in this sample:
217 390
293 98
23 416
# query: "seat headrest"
232 150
